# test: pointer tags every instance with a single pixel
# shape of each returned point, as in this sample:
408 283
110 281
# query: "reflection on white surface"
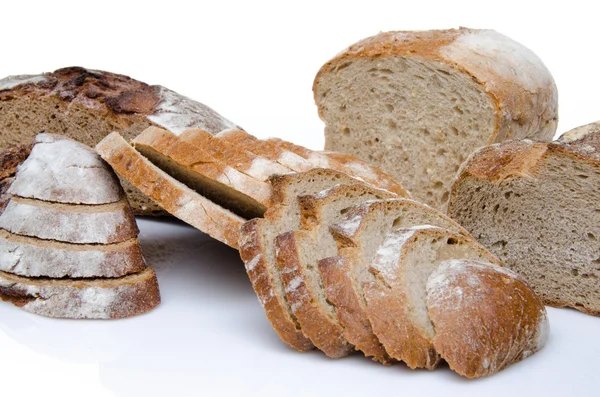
210 337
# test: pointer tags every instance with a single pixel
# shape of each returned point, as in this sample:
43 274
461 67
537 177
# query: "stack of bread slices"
68 238
339 255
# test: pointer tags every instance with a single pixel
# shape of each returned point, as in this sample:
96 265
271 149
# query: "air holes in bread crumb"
389 107
396 222
346 131
591 236
392 124
452 241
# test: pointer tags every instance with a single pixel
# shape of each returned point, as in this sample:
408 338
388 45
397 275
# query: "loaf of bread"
535 205
87 105
68 238
416 104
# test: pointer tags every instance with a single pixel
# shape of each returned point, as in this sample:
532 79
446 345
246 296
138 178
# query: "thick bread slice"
72 223
203 172
347 164
32 257
416 104
239 158
170 194
59 169
396 295
297 257
535 205
242 139
110 298
358 235
86 105
485 318
257 247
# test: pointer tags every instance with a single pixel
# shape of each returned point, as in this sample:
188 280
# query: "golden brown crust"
251 252
325 333
520 113
480 330
11 158
170 194
335 273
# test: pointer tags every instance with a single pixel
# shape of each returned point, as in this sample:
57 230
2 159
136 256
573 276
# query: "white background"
254 62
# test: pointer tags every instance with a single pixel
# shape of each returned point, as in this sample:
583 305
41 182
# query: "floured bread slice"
258 167
536 206
265 149
100 298
86 105
394 288
68 239
347 164
416 104
172 195
257 247
484 317
297 256
359 235
203 172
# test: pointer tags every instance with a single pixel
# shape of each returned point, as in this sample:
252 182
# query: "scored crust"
170 194
109 298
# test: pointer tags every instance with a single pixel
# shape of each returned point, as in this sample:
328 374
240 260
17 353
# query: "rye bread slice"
203 172
257 247
108 298
297 256
396 295
358 236
172 195
258 167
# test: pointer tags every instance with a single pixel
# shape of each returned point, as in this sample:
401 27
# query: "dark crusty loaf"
68 239
535 205
86 105
416 104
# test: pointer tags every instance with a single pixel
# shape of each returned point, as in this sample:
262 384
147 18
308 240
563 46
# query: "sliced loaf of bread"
359 235
298 254
87 105
396 295
535 205
258 251
416 104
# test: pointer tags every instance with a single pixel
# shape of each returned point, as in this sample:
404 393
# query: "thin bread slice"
172 195
73 223
297 256
485 317
203 172
266 149
396 295
108 298
345 163
535 205
358 236
257 247
32 257
258 167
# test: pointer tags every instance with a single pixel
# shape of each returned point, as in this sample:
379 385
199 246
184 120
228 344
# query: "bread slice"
73 223
109 298
265 149
416 104
396 295
86 105
535 205
358 236
347 164
172 195
239 158
32 257
297 256
257 247
485 318
203 172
